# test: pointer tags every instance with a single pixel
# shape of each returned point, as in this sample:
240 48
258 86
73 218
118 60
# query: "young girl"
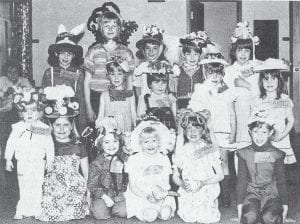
107 181
190 70
215 96
147 195
107 44
65 59
241 78
29 142
197 171
262 194
151 50
117 101
158 102
272 98
64 188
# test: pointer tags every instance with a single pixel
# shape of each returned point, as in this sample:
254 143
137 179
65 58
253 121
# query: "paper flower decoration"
152 30
243 31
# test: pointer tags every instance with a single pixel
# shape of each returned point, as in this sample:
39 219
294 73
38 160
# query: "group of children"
173 144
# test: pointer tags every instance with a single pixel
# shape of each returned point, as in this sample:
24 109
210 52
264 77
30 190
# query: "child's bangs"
214 68
114 66
244 44
149 132
110 16
159 77
197 121
272 72
189 49
259 124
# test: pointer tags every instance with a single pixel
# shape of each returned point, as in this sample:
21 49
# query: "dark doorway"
196 15
267 31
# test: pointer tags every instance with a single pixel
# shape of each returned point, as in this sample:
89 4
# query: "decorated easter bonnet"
162 130
127 27
24 97
122 62
272 64
151 33
67 40
195 40
212 55
262 114
61 102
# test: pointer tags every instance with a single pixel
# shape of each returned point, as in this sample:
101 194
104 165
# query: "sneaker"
18 216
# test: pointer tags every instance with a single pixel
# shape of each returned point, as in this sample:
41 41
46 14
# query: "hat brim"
216 60
265 67
55 115
75 49
143 41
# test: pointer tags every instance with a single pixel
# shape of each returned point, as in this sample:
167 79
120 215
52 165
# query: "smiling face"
261 134
192 57
65 58
110 29
62 129
117 78
152 51
193 133
270 83
110 144
31 113
150 143
242 55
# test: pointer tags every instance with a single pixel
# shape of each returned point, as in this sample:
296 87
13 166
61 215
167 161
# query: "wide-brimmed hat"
60 102
272 64
212 55
151 33
195 40
24 96
68 40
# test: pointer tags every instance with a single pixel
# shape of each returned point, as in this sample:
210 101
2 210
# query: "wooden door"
196 16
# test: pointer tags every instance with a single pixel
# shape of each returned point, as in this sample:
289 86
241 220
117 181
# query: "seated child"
197 170
107 182
147 195
262 194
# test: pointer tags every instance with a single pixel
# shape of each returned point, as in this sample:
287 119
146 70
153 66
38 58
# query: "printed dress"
147 172
278 109
201 206
64 188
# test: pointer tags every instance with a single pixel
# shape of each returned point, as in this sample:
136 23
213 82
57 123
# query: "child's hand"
108 201
159 193
278 137
231 139
240 82
91 115
9 165
151 198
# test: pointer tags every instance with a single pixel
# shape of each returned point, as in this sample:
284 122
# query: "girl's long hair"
281 84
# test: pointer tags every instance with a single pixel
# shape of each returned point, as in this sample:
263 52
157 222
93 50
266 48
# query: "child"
158 102
241 78
117 101
107 182
197 171
262 194
147 195
272 98
190 71
65 188
215 96
30 142
151 50
65 59
108 44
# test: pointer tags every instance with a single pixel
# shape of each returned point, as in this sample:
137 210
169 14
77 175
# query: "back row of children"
215 123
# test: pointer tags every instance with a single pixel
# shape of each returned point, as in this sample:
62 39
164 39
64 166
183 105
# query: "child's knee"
270 218
119 209
99 209
249 216
166 212
149 215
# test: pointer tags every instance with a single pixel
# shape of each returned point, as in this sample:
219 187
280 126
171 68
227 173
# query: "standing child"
215 96
107 182
65 59
147 195
262 194
272 98
108 44
190 70
118 101
197 171
29 142
241 78
158 102
65 195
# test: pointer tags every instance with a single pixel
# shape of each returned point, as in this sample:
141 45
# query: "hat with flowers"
262 114
151 33
212 55
24 96
272 64
122 62
60 101
243 31
198 39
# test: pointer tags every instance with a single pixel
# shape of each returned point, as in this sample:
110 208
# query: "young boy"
261 187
